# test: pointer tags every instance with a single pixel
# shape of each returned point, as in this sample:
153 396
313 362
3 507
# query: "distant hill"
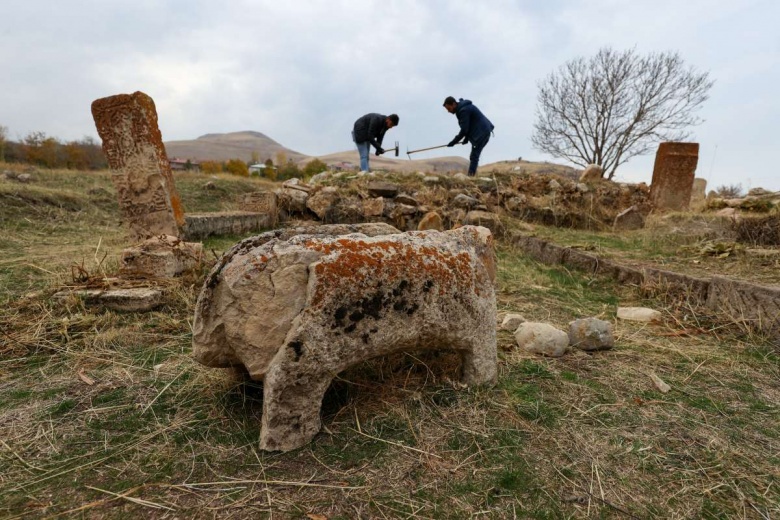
241 145
400 163
234 145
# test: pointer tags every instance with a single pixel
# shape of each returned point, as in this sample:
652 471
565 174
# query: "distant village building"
178 164
259 168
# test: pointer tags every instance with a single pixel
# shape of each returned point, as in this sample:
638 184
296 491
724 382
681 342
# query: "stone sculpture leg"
298 378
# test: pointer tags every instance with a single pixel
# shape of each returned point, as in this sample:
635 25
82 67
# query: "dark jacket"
473 123
371 128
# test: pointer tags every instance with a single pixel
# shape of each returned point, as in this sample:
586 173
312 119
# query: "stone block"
541 338
161 257
591 334
431 221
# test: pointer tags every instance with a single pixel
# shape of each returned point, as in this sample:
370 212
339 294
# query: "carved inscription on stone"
673 173
132 142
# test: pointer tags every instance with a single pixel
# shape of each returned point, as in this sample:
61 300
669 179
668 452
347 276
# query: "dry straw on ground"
105 415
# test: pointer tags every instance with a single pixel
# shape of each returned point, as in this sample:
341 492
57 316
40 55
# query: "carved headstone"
673 173
259 202
127 124
699 194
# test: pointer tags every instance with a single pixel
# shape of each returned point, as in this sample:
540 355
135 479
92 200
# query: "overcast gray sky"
303 71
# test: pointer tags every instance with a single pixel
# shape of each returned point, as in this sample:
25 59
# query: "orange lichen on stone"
132 143
349 266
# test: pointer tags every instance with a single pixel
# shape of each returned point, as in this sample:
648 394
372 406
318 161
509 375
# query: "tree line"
279 169
44 151
38 149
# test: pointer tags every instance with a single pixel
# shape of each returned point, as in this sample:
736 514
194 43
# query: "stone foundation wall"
201 225
755 306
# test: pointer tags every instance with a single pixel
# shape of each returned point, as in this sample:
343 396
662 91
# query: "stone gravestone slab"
699 194
150 205
673 173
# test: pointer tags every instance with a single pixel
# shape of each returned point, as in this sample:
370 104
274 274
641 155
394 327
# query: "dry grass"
105 415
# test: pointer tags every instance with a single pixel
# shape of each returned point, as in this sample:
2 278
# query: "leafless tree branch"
616 105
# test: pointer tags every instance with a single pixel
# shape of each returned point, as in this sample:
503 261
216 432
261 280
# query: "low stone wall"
201 225
757 306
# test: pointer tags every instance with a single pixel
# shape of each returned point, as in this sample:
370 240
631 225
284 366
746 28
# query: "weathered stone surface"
673 174
629 219
698 194
131 300
163 256
592 173
541 338
291 199
201 225
486 219
24 178
263 202
323 202
431 221
404 209
512 321
148 200
431 180
638 314
517 203
382 189
463 201
297 312
759 192
374 207
591 334
402 198
139 299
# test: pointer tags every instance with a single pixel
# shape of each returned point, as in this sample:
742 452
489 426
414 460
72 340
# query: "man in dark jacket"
368 131
474 128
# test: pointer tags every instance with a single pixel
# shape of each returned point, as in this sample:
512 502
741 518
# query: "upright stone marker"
675 166
127 124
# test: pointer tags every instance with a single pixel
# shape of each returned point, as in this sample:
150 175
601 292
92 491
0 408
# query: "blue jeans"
476 151
364 149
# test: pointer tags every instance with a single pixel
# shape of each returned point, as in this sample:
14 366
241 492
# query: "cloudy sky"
303 71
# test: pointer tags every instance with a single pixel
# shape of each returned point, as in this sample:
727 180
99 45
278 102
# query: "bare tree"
617 105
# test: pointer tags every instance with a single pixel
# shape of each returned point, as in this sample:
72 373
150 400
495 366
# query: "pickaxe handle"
394 149
410 152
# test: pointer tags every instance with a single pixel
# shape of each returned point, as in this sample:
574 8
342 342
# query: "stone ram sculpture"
296 308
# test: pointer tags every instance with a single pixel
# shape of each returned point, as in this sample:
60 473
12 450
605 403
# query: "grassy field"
105 414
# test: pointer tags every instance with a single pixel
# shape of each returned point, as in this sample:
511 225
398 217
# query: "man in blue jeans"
474 128
368 131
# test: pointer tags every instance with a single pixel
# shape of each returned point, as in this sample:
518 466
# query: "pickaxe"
393 149
410 152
